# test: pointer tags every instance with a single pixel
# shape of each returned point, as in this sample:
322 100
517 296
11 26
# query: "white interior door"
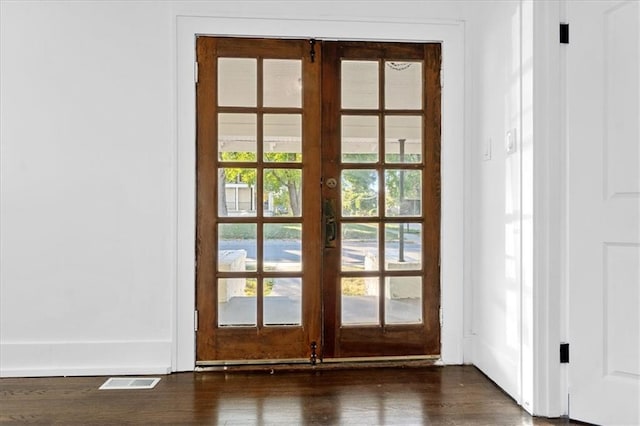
603 94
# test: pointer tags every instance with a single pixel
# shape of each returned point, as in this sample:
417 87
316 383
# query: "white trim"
549 377
175 234
450 33
125 370
40 359
526 149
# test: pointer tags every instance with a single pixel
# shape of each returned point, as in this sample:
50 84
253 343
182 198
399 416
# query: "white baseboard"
41 359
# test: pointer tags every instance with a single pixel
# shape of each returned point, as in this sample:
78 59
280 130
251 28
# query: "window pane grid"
259 143
385 141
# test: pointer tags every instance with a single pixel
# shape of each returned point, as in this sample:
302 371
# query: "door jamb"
548 321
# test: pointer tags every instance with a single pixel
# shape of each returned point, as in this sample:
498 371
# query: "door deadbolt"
332 183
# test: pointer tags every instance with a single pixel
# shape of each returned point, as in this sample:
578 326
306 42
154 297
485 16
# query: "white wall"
87 214
89 165
495 274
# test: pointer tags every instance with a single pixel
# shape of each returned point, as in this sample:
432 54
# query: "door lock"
330 224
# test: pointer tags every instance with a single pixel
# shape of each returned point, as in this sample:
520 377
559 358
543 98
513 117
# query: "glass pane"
403 246
282 192
282 247
403 300
359 139
282 83
237 302
403 192
237 137
236 192
359 88
283 138
360 300
403 85
403 139
237 82
237 247
359 192
282 301
360 247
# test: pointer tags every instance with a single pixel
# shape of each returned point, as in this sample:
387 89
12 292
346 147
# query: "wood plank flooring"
452 395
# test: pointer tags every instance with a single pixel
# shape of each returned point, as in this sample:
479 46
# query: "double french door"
318 227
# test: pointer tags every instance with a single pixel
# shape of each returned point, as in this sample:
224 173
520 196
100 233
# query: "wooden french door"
381 164
317 199
257 284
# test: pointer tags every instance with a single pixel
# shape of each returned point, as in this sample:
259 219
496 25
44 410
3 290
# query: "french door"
317 199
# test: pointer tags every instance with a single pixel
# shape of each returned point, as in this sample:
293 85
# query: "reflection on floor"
453 395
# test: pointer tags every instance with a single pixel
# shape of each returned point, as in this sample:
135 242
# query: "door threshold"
300 364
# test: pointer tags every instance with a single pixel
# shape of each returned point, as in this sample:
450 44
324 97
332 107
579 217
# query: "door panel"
318 189
381 147
258 285
603 94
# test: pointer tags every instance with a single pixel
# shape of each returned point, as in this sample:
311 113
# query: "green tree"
402 188
359 191
285 184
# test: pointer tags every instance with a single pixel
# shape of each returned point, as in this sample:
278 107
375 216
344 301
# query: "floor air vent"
130 383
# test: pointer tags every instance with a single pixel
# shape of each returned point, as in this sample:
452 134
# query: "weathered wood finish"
384 340
273 342
408 396
321 266
206 199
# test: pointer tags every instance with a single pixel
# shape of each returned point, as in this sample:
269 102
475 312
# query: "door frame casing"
548 388
453 161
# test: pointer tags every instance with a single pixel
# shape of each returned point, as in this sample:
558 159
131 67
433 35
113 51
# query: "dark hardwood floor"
452 395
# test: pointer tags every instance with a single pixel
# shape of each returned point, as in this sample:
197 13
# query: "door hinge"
564 33
312 49
441 78
441 317
564 353
195 320
195 72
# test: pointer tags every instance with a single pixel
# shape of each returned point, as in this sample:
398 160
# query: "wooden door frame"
454 261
